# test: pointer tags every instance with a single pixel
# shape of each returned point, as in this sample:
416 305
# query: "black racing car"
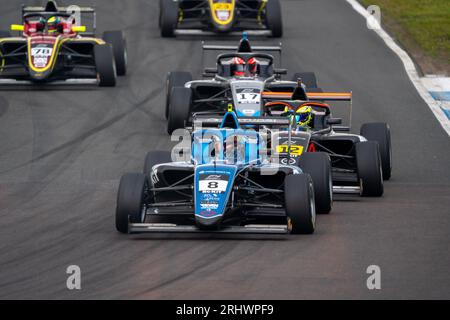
261 17
237 83
360 162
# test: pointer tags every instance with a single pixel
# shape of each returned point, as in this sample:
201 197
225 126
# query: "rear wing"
212 47
316 96
79 13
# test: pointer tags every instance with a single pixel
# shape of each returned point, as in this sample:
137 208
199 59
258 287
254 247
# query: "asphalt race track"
63 150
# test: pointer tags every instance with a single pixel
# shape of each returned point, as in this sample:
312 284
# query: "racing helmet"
303 116
53 24
237 67
253 66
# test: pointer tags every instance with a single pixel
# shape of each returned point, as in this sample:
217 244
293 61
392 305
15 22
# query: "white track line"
409 67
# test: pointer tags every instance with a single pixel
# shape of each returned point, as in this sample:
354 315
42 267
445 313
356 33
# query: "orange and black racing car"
54 47
190 17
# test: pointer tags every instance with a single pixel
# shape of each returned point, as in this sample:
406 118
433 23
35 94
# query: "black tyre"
5 34
300 203
274 18
131 198
119 45
106 67
309 79
369 169
318 166
380 132
175 79
179 108
155 157
168 18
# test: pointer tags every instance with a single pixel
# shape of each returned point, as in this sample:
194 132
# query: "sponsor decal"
213 183
295 150
41 56
248 96
223 11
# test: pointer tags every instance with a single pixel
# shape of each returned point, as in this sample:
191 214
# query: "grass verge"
422 27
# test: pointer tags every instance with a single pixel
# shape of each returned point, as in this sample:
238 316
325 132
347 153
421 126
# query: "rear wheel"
274 18
175 79
369 169
105 65
380 132
168 18
318 166
179 108
299 203
155 157
131 198
309 79
119 45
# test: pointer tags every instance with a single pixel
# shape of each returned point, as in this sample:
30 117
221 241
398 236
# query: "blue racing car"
230 183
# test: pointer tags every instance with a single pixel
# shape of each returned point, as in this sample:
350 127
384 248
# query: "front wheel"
179 108
105 65
318 166
168 18
175 79
131 199
117 40
300 204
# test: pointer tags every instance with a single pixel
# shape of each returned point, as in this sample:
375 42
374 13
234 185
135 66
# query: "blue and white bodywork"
228 185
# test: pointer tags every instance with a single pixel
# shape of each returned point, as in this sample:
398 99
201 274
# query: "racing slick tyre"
380 132
274 18
300 203
131 197
5 34
168 18
179 108
105 65
309 79
155 157
318 166
175 79
369 169
117 40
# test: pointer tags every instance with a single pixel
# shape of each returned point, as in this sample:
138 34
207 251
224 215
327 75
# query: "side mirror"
79 29
17 27
334 121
